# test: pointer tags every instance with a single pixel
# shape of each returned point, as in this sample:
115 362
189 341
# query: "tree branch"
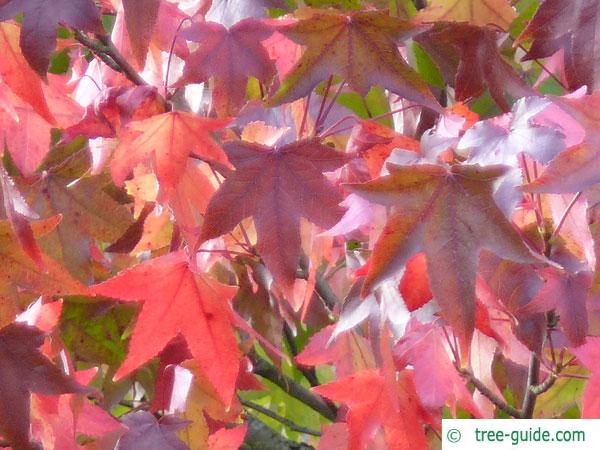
262 437
285 421
486 392
110 55
310 399
533 376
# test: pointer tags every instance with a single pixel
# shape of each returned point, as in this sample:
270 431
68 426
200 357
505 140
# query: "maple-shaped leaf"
360 47
15 72
140 19
230 56
492 143
475 12
167 140
449 213
179 301
151 434
567 293
40 22
276 186
376 403
572 26
578 167
89 215
23 369
19 273
436 378
469 59
18 213
349 352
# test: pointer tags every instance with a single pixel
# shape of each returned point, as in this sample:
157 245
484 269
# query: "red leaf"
230 56
23 369
15 72
177 300
373 404
140 19
276 186
361 47
166 139
567 293
40 22
226 439
449 213
414 285
472 54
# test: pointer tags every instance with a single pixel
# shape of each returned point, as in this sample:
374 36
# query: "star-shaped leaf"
360 47
23 369
167 140
469 59
449 213
475 12
179 301
573 26
230 56
40 22
276 186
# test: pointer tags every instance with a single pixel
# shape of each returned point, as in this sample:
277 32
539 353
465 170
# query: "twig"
321 285
533 376
486 392
285 421
110 55
310 399
539 389
116 55
309 373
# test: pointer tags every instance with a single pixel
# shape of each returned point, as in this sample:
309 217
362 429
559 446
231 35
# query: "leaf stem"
171 54
318 125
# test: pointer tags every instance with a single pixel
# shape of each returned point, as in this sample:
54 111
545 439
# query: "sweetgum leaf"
167 140
475 12
179 301
230 56
468 58
24 369
360 47
140 19
574 27
449 213
151 434
276 186
40 22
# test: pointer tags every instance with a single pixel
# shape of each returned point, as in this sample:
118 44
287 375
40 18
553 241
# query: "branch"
533 375
321 285
110 55
486 392
262 437
310 399
285 421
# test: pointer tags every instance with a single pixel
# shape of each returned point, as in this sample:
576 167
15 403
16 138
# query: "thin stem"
309 373
304 116
285 421
322 107
564 216
171 54
332 102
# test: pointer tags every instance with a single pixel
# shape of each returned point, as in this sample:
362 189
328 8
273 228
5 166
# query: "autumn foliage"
276 224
